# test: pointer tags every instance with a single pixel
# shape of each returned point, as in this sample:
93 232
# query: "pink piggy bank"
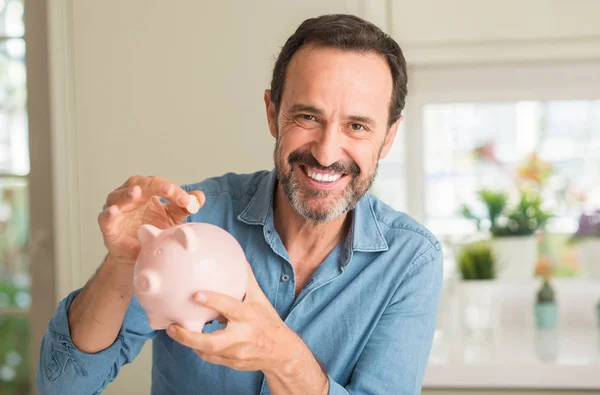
177 262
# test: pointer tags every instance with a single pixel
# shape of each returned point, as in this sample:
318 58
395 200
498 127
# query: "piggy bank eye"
158 252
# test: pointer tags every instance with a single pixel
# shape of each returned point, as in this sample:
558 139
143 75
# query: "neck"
303 237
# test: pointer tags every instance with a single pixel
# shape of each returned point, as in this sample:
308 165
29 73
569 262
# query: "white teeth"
322 177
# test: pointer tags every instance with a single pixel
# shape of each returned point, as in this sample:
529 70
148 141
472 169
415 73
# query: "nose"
327 149
147 282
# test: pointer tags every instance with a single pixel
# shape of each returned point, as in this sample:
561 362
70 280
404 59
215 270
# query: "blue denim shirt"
368 313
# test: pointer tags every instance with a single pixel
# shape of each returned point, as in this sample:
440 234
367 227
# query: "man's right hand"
135 203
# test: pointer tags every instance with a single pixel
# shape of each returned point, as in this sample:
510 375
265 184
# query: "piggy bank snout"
147 282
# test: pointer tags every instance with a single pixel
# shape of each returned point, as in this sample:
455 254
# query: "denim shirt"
368 313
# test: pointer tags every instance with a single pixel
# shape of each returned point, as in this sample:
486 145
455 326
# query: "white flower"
7 373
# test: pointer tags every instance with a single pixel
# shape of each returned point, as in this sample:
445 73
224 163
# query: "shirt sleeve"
65 370
395 357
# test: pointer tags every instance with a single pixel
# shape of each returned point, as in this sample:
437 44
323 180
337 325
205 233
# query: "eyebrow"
361 119
296 108
305 108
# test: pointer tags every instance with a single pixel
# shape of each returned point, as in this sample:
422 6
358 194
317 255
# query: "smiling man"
343 291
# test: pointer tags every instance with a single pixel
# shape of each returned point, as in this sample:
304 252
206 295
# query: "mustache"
307 159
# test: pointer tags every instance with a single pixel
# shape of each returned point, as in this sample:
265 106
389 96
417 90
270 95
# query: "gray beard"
297 196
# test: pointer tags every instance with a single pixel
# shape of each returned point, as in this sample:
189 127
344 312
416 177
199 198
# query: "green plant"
546 293
476 261
495 203
525 218
14 345
14 355
522 219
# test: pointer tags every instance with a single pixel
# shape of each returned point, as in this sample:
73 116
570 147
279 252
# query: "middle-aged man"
344 291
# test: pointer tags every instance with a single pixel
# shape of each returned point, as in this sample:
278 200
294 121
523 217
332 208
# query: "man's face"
331 129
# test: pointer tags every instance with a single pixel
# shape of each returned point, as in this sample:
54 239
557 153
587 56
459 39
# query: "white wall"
175 89
476 31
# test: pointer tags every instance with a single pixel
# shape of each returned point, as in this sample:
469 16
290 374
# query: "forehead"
334 79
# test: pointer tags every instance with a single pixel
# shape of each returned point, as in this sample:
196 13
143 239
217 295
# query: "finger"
110 221
159 186
210 343
178 213
124 197
229 307
200 196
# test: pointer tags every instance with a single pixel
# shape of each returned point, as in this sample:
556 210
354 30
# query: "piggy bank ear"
147 233
187 238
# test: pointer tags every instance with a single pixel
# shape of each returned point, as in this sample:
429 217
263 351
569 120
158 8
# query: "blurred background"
499 156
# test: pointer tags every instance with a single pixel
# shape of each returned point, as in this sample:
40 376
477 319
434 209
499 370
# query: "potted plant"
513 216
546 311
476 262
513 230
546 317
475 293
588 238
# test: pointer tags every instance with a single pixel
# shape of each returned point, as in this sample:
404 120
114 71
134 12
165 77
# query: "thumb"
179 214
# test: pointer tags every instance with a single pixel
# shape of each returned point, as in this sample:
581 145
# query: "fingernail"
200 298
171 330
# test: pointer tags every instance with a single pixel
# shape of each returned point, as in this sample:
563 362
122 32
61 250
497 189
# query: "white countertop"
513 354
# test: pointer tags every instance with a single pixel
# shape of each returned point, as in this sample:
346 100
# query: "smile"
319 177
323 177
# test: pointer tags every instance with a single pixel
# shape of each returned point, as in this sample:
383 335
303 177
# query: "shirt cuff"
60 336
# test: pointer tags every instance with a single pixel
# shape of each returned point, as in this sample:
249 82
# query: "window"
390 183
474 127
564 134
14 207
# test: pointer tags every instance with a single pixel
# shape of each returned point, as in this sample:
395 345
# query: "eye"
308 117
357 127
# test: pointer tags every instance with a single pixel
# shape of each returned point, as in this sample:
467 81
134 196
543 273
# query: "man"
343 291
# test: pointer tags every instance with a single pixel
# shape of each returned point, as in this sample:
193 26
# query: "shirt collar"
365 234
261 204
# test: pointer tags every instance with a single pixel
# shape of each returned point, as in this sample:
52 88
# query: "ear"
186 236
389 138
271 113
146 233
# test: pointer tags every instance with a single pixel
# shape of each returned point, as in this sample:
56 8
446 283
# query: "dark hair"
345 32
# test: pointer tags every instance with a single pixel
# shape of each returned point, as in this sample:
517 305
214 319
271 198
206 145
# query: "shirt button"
285 278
